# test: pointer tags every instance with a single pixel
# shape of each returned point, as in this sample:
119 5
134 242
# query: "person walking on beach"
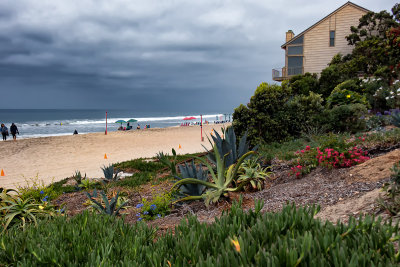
14 131
4 131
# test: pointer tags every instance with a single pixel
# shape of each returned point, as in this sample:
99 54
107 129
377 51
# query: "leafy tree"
274 114
265 116
370 39
340 69
303 84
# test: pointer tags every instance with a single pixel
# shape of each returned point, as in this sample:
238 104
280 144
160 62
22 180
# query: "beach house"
312 49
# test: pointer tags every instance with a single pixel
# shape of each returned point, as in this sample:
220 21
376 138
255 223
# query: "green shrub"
268 120
273 114
141 165
35 189
335 141
346 118
303 112
289 237
341 96
159 206
304 84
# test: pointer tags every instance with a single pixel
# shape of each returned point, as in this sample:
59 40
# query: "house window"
295 50
295 65
332 38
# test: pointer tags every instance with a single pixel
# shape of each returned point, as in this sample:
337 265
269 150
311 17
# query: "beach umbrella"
132 120
120 121
189 118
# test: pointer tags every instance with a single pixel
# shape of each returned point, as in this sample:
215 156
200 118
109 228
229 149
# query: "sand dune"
55 158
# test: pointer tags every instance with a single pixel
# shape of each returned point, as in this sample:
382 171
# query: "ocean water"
33 123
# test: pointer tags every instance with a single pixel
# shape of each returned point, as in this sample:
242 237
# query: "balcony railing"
285 73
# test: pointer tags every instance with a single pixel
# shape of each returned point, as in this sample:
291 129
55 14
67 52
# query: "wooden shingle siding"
317 52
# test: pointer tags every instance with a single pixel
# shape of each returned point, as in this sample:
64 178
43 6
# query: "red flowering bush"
334 159
310 158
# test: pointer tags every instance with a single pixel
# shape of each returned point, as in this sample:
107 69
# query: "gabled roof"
314 25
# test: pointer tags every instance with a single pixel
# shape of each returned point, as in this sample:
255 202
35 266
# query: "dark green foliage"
346 118
353 85
110 206
370 38
303 111
273 114
192 171
286 238
339 70
141 165
340 97
241 119
228 146
266 117
109 175
304 84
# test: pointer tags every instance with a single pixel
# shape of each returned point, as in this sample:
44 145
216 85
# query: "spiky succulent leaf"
191 171
228 146
396 119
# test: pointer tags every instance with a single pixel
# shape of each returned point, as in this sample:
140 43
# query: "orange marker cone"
180 146
105 156
2 172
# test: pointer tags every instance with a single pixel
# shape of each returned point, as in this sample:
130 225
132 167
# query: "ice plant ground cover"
290 237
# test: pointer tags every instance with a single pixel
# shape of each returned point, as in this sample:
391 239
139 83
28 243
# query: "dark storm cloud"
149 55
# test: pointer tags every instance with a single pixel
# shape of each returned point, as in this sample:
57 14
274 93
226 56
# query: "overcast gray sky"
203 55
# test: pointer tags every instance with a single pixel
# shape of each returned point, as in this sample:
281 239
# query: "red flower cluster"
333 159
297 170
310 158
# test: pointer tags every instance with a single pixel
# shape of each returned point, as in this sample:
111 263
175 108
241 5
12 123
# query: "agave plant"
111 207
221 179
192 171
252 173
227 146
396 118
163 158
19 212
109 175
77 177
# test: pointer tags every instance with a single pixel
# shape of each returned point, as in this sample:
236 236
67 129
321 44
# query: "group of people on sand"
13 130
129 127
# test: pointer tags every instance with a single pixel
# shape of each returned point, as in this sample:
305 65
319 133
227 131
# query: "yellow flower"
236 244
348 96
41 207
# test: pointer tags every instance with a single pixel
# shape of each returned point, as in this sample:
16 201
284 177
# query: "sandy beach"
55 158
